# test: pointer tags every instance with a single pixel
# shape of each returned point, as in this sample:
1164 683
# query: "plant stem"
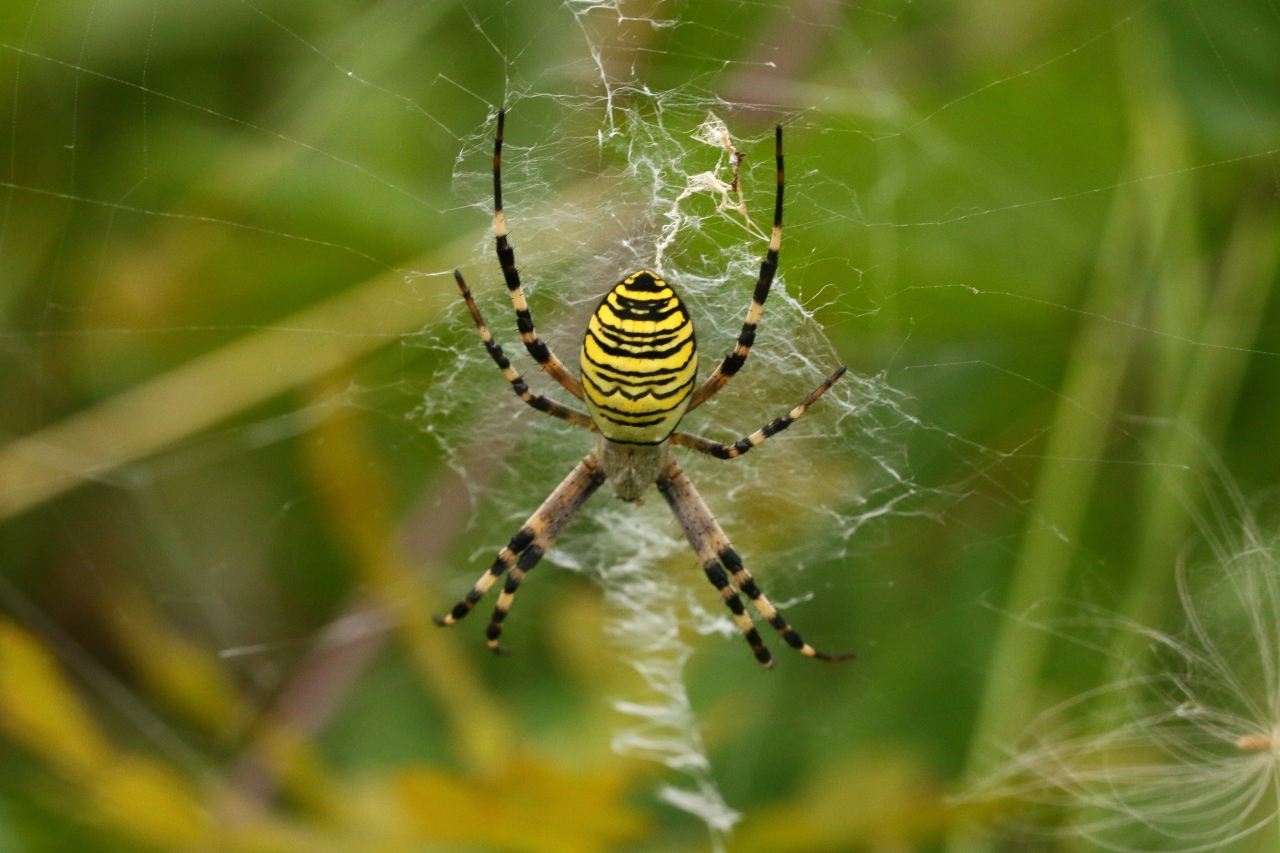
1131 251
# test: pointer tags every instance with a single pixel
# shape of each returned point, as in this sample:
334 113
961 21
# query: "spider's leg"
533 539
712 546
768 267
507 258
518 384
742 445
696 521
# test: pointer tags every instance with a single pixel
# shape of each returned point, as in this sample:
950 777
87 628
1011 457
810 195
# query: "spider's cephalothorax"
639 366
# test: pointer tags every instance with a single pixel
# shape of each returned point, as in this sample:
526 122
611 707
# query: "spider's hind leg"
747 584
526 548
719 560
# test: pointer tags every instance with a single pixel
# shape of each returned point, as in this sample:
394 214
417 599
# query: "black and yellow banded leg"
742 445
533 539
716 574
506 557
683 499
569 498
712 546
765 608
768 269
518 385
507 258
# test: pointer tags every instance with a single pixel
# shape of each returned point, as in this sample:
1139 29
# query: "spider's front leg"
717 555
518 385
526 548
507 260
733 362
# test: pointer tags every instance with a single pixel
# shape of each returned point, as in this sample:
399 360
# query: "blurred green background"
1054 226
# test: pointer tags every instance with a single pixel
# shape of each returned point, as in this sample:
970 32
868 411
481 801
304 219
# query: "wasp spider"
639 362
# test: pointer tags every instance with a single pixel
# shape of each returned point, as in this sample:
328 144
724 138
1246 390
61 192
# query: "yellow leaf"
189 678
151 803
531 807
878 801
40 710
294 760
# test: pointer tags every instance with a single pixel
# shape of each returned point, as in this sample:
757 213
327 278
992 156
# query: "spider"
639 363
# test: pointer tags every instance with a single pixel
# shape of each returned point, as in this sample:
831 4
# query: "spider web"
613 176
605 173
669 194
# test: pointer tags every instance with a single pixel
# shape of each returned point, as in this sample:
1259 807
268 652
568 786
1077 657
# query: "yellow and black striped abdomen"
639 359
